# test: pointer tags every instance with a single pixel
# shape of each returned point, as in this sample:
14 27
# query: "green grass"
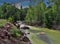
36 40
53 35
2 22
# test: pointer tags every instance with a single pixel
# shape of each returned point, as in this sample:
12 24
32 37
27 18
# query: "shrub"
15 32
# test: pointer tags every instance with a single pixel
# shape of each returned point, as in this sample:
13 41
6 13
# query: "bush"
15 32
10 19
